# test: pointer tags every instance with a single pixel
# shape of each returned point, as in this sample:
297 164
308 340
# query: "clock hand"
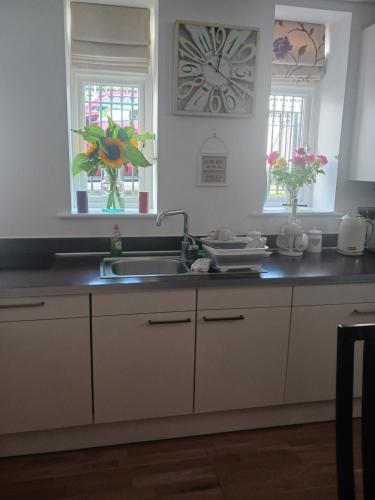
219 60
234 83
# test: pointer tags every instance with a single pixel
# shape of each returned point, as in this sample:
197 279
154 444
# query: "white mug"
282 241
221 234
301 242
256 239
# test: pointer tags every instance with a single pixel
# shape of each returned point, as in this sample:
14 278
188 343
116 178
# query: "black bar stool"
346 338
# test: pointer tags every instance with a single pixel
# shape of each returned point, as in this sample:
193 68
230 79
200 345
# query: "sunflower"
91 150
113 157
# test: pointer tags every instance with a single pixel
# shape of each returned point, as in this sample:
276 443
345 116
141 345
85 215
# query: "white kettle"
354 233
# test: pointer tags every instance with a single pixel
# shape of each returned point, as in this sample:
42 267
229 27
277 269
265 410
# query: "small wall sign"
213 163
213 169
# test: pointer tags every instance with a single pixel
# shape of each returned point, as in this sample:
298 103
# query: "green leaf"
135 157
91 133
81 163
147 136
302 50
129 130
122 136
113 128
103 145
94 130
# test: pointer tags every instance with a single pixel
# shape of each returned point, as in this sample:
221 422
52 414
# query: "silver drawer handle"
225 318
169 321
26 304
357 311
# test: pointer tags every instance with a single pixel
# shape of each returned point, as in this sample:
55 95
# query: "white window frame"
80 78
310 95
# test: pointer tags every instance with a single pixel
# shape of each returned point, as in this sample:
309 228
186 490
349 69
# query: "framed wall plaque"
214 69
213 163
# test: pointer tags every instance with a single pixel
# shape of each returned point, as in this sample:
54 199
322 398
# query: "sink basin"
142 266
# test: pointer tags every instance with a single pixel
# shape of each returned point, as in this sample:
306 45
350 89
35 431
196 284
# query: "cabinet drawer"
143 301
31 308
244 297
333 294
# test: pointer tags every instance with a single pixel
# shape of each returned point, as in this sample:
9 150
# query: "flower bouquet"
110 150
301 170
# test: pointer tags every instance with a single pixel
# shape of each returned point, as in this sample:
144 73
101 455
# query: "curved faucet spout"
168 213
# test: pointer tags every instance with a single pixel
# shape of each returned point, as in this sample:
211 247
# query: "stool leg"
368 420
344 415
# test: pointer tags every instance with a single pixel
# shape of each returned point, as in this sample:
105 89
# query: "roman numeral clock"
214 69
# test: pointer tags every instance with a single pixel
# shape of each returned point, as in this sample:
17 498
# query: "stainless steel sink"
142 266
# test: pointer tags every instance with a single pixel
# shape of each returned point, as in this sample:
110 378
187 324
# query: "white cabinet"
241 353
143 364
364 126
45 366
311 374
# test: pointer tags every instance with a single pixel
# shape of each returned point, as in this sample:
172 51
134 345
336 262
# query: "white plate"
235 252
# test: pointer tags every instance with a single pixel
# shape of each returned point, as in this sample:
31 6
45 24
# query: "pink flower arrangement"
301 170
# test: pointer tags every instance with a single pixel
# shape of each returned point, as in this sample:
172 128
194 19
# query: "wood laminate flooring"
289 463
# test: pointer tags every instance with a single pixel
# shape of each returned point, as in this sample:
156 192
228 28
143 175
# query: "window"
289 127
298 67
110 77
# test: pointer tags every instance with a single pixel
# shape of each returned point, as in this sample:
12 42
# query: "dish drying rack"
235 255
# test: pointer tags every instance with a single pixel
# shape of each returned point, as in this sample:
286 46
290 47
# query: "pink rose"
323 159
309 158
300 161
300 151
272 157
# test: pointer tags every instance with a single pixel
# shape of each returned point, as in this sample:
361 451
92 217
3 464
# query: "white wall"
34 132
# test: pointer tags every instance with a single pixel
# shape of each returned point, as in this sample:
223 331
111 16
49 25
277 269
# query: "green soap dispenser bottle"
116 243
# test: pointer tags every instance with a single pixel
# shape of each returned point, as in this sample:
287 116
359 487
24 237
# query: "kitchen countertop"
78 274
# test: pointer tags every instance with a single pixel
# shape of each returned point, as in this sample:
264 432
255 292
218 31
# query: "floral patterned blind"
298 52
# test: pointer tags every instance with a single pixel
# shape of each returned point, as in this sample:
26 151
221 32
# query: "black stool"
346 337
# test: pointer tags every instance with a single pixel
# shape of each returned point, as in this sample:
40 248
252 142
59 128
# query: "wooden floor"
293 463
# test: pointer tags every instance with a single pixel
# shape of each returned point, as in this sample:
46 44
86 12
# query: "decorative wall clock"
214 69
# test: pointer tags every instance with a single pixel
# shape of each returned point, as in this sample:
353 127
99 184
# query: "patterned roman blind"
298 52
109 37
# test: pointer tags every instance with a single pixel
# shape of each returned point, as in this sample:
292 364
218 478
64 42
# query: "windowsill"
102 215
301 212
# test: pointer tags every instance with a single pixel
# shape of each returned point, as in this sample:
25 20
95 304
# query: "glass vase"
114 189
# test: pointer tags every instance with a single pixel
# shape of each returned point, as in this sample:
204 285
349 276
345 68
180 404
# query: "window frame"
81 77
310 94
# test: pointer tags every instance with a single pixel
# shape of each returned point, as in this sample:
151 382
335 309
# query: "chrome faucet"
168 213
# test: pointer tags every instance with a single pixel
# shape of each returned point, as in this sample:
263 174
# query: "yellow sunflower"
91 150
113 158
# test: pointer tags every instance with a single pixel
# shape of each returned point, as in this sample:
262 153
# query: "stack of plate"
234 254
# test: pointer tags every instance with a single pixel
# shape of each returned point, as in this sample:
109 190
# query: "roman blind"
298 52
109 37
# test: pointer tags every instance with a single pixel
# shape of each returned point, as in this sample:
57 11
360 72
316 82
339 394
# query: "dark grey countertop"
72 275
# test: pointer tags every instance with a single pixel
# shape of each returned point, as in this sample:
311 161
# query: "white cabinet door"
45 374
241 358
311 374
143 366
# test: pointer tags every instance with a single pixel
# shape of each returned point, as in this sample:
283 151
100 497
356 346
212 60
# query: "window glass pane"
121 103
286 130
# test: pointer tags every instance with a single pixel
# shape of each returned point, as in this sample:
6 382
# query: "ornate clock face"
214 69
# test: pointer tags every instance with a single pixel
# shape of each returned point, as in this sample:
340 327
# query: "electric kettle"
354 233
